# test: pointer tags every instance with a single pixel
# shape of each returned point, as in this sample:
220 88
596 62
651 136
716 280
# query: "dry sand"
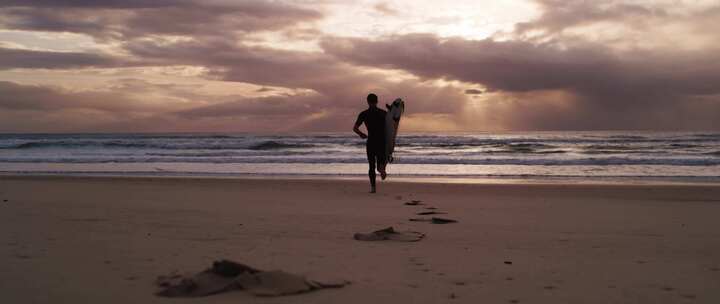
104 240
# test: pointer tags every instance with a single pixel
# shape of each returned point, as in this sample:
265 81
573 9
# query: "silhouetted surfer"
374 119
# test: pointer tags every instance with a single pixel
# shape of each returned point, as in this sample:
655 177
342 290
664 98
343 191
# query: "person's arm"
356 128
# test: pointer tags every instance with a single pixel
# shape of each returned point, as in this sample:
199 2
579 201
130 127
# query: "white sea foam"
638 154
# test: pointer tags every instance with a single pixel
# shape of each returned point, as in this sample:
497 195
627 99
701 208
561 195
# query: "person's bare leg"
382 165
371 172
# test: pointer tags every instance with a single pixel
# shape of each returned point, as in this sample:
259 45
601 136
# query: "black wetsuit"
374 119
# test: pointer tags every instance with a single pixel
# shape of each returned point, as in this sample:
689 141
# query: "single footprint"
430 213
434 220
390 234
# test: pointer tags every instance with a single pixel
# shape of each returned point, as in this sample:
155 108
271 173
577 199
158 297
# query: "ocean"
689 156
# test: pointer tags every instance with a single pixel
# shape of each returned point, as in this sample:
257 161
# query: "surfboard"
392 122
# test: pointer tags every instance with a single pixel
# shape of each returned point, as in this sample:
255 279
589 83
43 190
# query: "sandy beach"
105 240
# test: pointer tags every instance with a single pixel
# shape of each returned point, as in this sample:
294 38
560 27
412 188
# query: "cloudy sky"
307 65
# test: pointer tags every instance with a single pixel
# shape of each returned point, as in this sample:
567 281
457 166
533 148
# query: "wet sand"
105 240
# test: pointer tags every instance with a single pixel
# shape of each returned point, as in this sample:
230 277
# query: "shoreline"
437 179
324 170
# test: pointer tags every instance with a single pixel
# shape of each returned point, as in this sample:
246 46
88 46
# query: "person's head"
372 100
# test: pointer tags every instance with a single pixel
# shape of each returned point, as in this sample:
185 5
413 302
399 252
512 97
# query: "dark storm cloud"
621 88
234 62
507 66
121 19
52 20
30 59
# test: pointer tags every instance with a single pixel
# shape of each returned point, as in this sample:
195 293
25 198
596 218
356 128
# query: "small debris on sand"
227 275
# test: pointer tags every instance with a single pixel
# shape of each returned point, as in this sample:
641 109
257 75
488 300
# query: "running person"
374 119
